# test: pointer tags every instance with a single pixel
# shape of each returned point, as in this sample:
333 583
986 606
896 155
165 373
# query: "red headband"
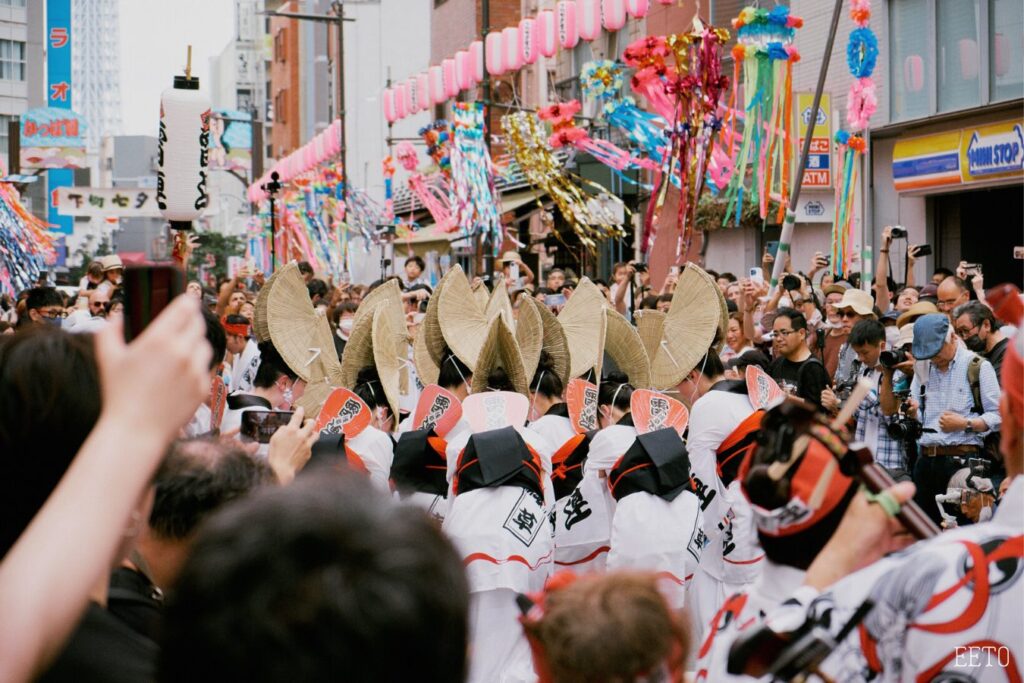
240 329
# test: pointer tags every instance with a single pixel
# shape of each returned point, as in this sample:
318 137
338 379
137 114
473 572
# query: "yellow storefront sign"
992 152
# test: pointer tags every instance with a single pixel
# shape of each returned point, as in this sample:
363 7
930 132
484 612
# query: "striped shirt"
951 390
890 453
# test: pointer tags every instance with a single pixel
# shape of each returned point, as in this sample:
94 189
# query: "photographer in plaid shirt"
942 401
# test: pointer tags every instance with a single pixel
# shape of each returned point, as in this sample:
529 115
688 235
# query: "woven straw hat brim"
390 295
388 357
371 344
481 296
554 341
530 336
500 350
299 332
430 328
358 350
623 344
313 397
500 303
689 328
463 324
259 322
649 325
723 321
582 321
426 368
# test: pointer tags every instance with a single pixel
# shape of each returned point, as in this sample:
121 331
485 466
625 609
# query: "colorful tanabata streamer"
766 53
433 191
861 104
474 194
602 81
25 244
526 142
565 133
681 77
438 135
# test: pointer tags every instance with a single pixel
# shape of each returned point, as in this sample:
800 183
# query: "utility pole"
485 28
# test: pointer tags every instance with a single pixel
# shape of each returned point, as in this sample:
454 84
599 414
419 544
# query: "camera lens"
790 283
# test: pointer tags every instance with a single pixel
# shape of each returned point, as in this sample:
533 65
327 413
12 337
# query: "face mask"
815 318
55 322
975 343
345 327
288 396
892 336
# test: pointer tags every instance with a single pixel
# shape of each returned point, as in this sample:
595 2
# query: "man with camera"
887 436
942 401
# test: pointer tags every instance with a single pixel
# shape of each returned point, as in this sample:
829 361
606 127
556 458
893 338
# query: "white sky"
154 37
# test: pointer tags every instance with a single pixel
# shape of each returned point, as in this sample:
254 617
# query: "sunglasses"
847 313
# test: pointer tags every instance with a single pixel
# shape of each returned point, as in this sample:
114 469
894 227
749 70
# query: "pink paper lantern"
401 100
423 92
476 61
667 2
568 31
436 76
528 47
637 8
495 59
913 73
547 33
412 96
588 18
463 70
613 14
388 103
510 48
451 84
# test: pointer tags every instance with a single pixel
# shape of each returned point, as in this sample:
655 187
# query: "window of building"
950 55
5 120
959 55
910 68
12 3
12 60
1006 49
279 111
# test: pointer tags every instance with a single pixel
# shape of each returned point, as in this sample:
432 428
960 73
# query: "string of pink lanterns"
509 50
321 148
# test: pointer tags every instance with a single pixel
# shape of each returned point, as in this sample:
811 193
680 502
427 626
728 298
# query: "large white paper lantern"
183 153
547 33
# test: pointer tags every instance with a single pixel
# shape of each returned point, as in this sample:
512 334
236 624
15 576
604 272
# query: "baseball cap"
930 333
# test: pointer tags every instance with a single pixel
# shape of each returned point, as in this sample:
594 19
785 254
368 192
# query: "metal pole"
786 238
485 27
273 236
339 10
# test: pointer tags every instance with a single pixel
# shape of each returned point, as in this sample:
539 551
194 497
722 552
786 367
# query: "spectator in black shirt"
796 370
977 326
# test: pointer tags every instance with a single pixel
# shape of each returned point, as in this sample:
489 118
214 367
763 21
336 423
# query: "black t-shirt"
104 649
806 379
136 601
995 357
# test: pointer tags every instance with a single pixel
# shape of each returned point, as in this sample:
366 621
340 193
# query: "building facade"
14 37
95 68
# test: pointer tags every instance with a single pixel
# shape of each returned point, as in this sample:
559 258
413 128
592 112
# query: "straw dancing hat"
649 324
624 345
480 295
553 339
312 399
499 303
259 322
430 328
689 330
463 324
426 368
300 333
529 329
723 322
500 350
389 294
372 343
583 322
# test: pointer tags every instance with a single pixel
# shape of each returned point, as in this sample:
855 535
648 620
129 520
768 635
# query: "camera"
904 427
790 283
972 269
890 359
844 389
638 266
898 232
